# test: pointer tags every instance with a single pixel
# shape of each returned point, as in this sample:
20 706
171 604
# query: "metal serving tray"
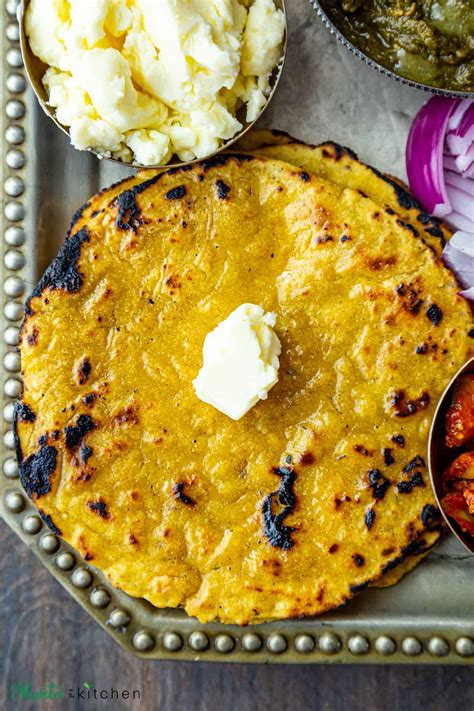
325 94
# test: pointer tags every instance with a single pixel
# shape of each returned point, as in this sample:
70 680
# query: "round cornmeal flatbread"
344 168
341 165
318 490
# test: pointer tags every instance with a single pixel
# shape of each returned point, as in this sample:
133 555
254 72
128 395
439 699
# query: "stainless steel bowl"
35 70
440 456
332 27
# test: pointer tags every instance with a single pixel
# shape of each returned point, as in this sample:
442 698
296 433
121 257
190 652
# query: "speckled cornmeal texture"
296 507
340 165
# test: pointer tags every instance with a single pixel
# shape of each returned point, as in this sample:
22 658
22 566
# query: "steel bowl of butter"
124 101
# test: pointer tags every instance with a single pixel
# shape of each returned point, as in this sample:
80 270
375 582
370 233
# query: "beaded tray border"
136 625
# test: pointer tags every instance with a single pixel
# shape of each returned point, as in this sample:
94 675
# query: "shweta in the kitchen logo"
23 691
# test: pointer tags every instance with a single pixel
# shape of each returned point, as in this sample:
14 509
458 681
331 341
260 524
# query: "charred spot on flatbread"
408 202
49 522
378 483
430 515
336 151
99 507
85 453
416 463
388 457
179 494
63 273
276 531
435 314
24 412
414 469
392 564
403 406
399 440
36 471
407 486
369 517
176 193
409 297
222 159
223 189
82 370
361 449
355 589
129 216
74 434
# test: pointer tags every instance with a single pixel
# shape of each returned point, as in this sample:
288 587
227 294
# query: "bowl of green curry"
428 44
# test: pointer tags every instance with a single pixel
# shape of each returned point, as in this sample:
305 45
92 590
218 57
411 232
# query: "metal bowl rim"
469 364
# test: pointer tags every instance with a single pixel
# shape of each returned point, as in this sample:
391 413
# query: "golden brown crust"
134 292
341 165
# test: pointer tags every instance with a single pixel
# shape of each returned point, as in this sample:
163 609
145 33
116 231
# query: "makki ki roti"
323 160
341 165
385 190
298 506
329 161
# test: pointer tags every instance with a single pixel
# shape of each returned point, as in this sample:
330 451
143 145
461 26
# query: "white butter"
173 72
149 147
67 97
240 361
106 137
105 76
262 37
46 24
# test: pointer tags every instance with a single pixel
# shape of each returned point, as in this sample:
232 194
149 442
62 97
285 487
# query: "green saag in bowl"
427 42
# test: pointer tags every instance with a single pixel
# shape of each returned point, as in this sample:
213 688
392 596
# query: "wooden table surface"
46 637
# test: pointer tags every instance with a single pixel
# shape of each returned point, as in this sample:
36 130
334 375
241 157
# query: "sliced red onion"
469 173
460 140
460 222
457 181
464 160
440 160
449 163
424 157
460 145
461 202
458 255
458 114
464 242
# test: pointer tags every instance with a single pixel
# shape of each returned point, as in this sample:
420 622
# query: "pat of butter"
240 361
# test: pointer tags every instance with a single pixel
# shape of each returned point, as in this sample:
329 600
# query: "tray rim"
157 634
